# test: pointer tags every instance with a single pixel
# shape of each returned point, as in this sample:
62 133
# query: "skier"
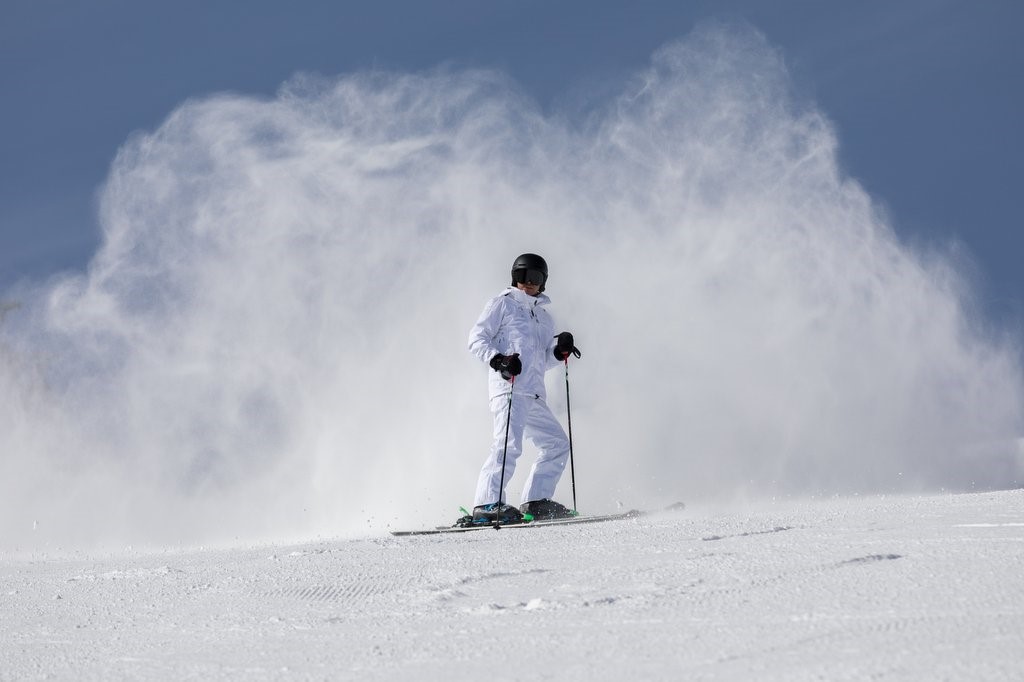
515 337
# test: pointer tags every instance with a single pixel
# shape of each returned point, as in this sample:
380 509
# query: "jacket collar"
525 299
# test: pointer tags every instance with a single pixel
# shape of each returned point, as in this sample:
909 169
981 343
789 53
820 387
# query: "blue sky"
926 96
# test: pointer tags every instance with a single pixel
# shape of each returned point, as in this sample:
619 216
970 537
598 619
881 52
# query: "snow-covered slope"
923 588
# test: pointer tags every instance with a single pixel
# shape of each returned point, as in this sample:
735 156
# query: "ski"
537 523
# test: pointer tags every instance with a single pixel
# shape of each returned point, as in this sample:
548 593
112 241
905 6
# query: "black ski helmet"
524 264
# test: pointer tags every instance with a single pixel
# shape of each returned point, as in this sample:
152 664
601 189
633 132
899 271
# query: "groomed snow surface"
915 588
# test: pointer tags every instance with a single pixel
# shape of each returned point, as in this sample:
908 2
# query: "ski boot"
542 510
496 513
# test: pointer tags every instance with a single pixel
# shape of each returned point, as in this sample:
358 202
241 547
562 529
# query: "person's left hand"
564 347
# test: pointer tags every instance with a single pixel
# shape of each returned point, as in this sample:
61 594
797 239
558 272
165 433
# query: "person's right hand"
508 365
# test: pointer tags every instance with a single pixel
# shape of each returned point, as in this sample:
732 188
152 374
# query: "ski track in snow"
915 588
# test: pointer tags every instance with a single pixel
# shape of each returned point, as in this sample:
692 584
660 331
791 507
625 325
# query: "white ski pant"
531 419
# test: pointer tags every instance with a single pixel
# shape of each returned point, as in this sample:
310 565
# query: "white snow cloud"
271 339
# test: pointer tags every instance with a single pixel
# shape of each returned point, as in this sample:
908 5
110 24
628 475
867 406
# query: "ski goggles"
530 276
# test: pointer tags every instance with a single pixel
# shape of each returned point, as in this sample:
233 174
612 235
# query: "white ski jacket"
515 322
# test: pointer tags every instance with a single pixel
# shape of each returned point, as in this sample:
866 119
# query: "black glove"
564 347
508 365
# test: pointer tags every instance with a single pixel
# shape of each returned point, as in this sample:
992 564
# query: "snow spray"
270 341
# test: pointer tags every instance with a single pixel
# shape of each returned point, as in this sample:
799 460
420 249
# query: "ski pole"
568 412
504 453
